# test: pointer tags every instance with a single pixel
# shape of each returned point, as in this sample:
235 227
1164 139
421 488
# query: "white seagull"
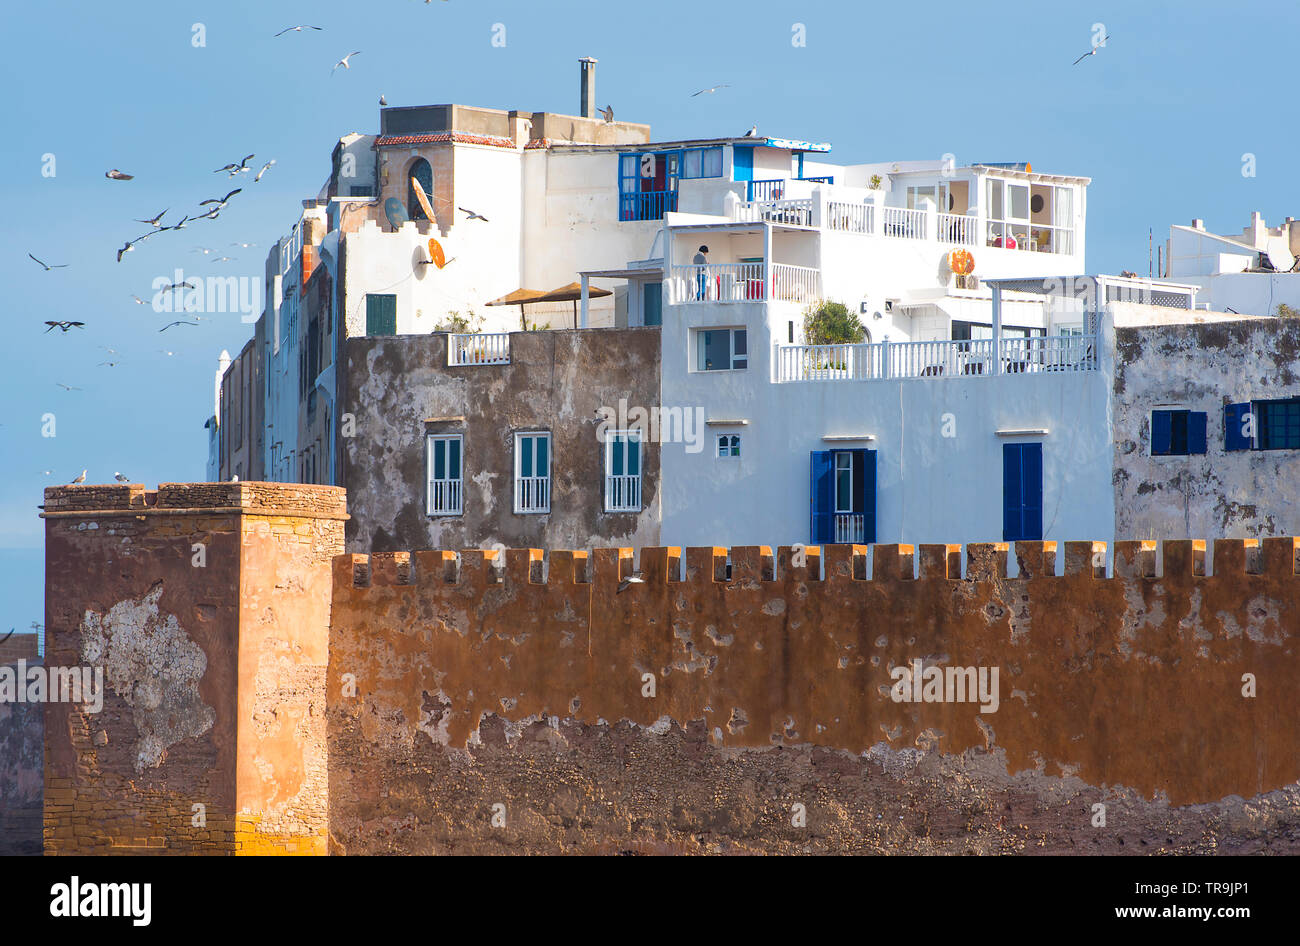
344 61
1093 51
265 167
706 91
295 29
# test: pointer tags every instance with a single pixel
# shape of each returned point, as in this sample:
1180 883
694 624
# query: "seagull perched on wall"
626 583
121 478
708 91
80 479
1093 51
116 175
383 102
608 112
295 29
752 133
154 221
64 326
47 266
265 167
472 214
344 61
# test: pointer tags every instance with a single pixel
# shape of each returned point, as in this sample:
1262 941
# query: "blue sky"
1159 120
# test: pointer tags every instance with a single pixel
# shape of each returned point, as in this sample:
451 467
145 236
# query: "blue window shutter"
1012 517
1033 487
1196 423
821 497
742 163
1234 419
1161 432
869 496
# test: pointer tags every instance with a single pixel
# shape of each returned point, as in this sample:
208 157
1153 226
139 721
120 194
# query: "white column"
767 262
997 330
586 287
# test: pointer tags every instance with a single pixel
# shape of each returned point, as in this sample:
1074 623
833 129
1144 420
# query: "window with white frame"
721 349
446 490
728 445
533 472
623 471
702 162
1028 216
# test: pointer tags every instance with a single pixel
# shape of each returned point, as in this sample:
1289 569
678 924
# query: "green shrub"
831 323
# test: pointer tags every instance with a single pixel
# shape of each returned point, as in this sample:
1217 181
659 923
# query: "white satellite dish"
1278 250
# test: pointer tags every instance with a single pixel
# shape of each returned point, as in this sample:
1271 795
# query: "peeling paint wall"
1238 494
21 766
207 607
401 388
773 688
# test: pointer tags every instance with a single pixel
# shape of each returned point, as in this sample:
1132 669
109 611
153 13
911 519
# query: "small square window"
728 445
722 349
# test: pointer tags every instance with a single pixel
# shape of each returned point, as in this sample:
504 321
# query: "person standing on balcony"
701 260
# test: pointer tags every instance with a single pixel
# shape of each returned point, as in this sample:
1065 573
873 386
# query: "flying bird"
138 300
628 582
344 61
163 351
205 250
154 221
47 266
80 479
64 326
234 169
220 201
179 226
223 259
66 387
295 29
706 91
178 285
111 364
752 133
121 478
116 175
170 324
265 167
1093 51
608 112
212 214
244 245
473 215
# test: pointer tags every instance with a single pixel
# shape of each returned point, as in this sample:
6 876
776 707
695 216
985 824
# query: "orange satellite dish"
961 262
423 198
436 256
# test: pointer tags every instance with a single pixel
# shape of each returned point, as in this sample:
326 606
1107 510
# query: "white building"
1253 271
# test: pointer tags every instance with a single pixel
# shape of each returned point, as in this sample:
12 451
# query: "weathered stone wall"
773 689
400 388
22 734
1242 494
206 606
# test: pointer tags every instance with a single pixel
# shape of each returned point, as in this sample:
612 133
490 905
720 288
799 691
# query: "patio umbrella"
520 297
572 293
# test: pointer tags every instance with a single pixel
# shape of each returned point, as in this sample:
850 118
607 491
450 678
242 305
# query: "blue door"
653 304
1022 491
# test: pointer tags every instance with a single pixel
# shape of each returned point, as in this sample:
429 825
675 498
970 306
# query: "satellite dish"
423 198
395 213
1278 251
436 256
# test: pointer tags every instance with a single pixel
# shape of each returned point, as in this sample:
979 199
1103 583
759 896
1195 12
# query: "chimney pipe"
588 87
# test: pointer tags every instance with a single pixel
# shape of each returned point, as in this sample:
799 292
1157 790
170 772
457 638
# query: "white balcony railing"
533 494
798 212
1049 353
623 493
487 349
717 282
957 228
849 528
936 359
445 498
796 283
853 218
904 223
